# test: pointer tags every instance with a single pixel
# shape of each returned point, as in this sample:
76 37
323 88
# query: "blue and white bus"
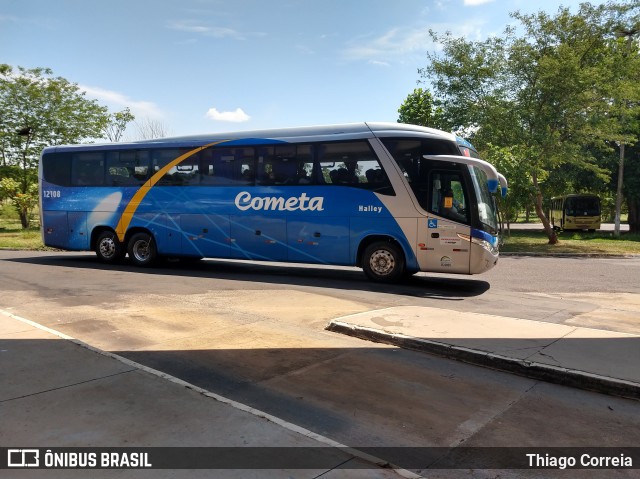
393 199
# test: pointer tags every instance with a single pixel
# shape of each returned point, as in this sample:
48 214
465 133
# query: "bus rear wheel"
108 247
383 261
142 249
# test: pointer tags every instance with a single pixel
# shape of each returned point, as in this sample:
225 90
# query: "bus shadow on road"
445 287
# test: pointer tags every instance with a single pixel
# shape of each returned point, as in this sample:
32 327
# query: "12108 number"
51 194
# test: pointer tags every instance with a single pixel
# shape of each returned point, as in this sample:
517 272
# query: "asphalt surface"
254 334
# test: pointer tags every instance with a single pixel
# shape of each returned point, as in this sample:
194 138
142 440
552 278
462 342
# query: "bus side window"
448 197
87 169
284 165
57 168
127 167
185 173
353 164
227 167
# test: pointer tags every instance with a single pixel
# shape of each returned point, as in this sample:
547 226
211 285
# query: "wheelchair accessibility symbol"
433 223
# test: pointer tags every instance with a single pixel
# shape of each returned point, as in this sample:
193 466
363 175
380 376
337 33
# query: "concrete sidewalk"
58 392
591 359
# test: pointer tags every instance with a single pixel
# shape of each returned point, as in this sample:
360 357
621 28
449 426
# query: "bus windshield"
582 205
486 202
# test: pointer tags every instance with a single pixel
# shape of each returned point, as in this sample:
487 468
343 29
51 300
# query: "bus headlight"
485 243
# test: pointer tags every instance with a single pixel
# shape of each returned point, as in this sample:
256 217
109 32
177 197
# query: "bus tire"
108 248
383 261
142 249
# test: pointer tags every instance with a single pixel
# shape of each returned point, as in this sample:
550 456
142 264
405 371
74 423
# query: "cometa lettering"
244 201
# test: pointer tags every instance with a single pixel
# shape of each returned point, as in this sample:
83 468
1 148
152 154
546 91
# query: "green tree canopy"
117 124
546 92
420 109
40 110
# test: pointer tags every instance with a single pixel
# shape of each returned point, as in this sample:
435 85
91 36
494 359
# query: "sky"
208 66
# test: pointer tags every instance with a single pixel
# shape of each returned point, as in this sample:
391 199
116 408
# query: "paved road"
255 333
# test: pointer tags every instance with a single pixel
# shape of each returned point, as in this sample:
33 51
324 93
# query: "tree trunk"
633 205
548 229
24 219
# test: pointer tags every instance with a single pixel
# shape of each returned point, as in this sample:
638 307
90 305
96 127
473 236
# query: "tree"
548 93
118 124
420 109
40 110
506 160
626 98
24 203
149 129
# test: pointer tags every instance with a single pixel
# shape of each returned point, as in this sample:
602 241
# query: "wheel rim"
107 248
382 262
140 250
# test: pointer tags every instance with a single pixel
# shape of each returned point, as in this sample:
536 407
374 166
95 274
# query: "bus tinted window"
87 169
184 174
583 205
448 196
127 167
285 165
409 157
352 164
227 166
56 168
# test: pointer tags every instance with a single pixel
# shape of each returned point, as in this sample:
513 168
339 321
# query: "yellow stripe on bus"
132 206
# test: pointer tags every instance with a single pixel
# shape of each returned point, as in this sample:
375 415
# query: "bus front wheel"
108 247
142 249
383 261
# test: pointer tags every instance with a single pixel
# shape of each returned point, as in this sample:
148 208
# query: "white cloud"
304 50
118 101
475 3
9 18
209 31
237 116
398 44
393 44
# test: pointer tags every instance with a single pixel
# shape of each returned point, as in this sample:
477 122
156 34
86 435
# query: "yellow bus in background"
575 212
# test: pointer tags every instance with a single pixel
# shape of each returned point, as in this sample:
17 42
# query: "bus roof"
294 135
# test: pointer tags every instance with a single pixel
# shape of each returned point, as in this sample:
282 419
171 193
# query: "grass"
572 242
12 235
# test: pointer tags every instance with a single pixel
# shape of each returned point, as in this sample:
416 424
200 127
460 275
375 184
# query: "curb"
544 372
569 255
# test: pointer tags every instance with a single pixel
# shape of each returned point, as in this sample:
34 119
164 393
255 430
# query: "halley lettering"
370 208
244 201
